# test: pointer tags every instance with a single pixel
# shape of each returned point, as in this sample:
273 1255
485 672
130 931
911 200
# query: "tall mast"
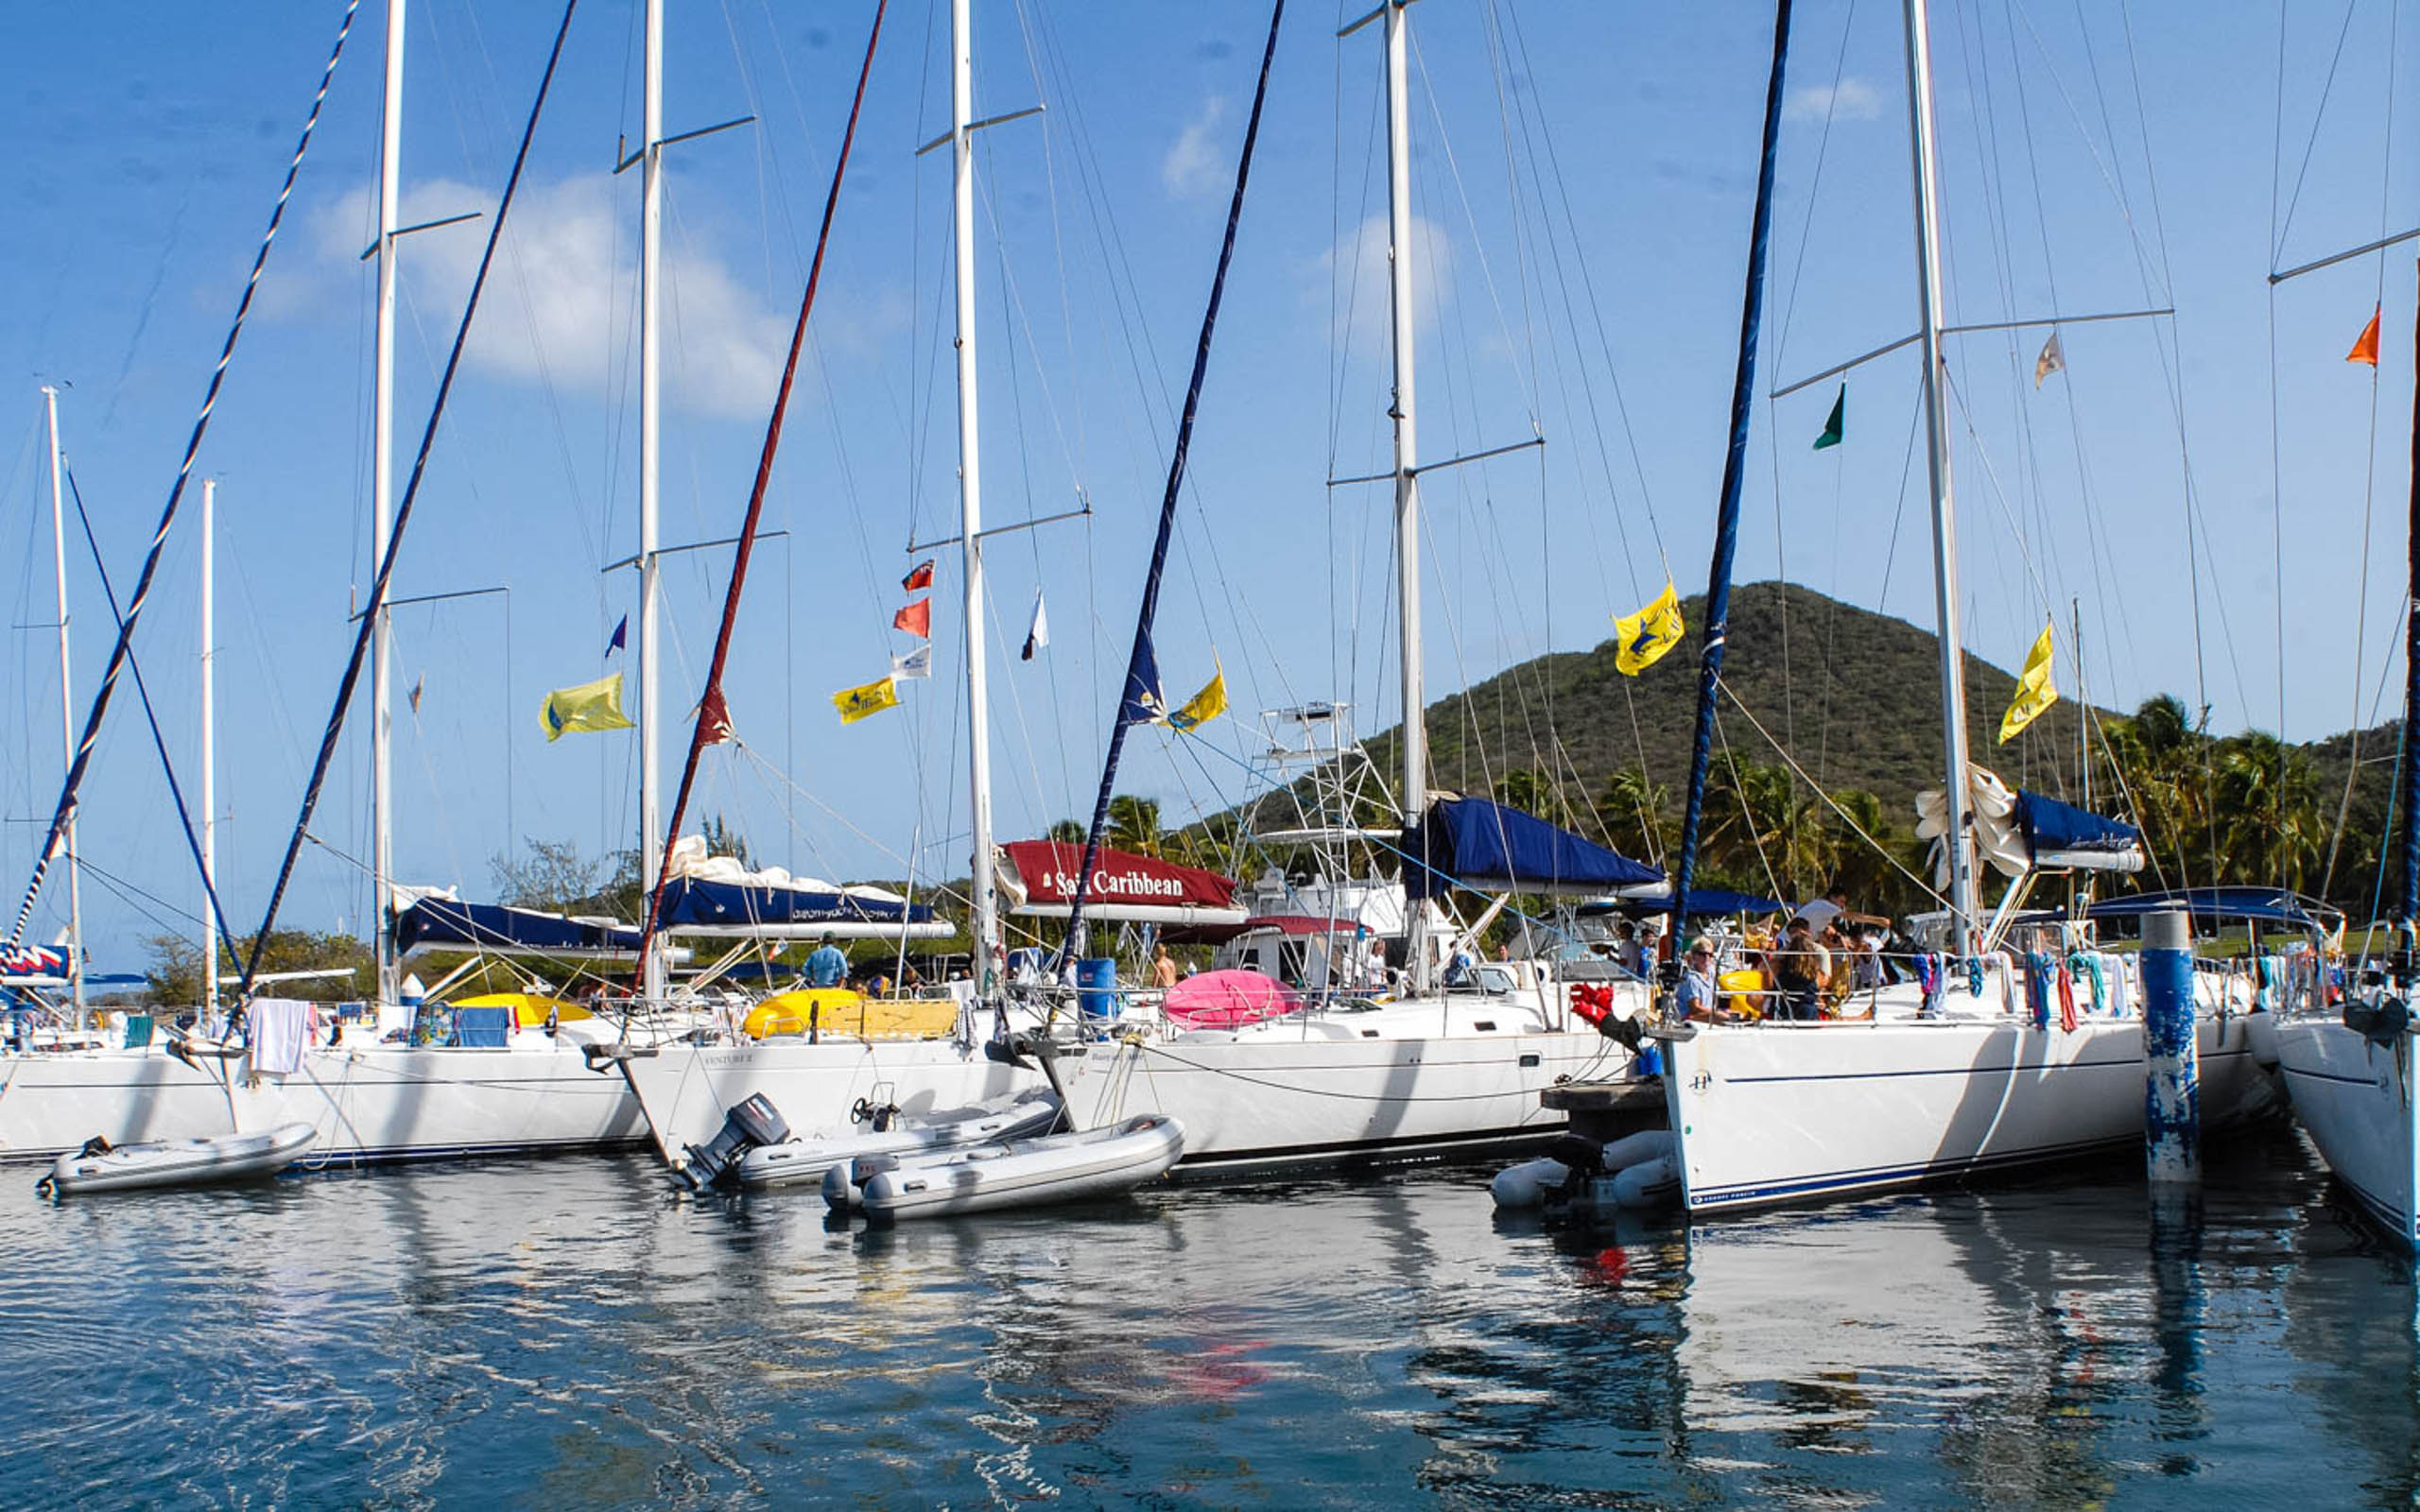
984 924
382 516
2410 670
1944 510
650 460
210 753
67 708
1415 700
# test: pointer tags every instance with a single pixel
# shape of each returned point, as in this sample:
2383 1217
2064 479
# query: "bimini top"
2266 906
1705 902
1472 842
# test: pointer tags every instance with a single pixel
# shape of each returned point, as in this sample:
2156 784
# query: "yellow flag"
590 706
855 703
1205 706
1640 640
2034 691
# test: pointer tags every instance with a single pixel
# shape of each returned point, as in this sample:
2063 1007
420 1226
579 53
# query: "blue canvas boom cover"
2053 827
692 904
1470 841
442 921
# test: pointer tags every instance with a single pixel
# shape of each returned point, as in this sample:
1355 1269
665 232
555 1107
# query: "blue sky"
1583 176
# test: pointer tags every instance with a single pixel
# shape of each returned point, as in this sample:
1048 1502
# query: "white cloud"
562 303
1196 166
1851 99
1356 268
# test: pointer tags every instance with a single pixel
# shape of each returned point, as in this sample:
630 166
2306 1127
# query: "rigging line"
143 690
2318 117
1815 186
403 516
124 646
1461 192
1846 817
713 719
2116 189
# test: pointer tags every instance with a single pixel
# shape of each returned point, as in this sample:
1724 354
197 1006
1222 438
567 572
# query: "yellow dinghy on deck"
838 1011
531 1010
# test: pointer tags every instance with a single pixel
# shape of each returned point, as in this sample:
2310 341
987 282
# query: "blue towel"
482 1028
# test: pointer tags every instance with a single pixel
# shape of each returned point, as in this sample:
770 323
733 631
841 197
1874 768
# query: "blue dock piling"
2172 1066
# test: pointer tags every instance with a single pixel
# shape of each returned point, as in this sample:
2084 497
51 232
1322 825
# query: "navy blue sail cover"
2050 825
2268 906
1706 902
695 903
1471 841
492 927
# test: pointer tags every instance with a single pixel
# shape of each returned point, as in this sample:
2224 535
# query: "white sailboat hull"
1323 1093
2355 1098
398 1103
681 1090
1779 1112
51 1102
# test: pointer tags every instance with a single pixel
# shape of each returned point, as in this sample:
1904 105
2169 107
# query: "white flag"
916 663
1038 635
2051 360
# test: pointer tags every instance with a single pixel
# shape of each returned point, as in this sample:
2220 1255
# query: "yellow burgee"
2034 691
590 706
1640 640
1205 706
855 703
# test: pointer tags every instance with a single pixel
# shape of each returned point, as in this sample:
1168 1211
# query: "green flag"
1831 436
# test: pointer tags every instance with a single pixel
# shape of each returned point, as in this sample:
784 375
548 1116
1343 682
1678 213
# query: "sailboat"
2349 1073
1965 1076
687 1088
1376 1079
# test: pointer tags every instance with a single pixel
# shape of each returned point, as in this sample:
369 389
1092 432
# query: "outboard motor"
752 1122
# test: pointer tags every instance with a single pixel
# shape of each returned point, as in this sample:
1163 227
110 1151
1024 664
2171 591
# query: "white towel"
281 1027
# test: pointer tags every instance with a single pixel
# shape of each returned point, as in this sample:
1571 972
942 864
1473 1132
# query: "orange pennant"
2366 349
916 619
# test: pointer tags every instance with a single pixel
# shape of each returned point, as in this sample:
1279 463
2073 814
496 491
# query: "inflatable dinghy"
1101 1163
798 1163
104 1167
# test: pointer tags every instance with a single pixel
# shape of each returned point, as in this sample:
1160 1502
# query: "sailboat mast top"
1963 903
382 513
66 705
650 461
1406 475
982 927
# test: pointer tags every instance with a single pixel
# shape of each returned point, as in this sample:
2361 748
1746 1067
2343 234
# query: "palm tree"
1135 824
1067 831
1631 810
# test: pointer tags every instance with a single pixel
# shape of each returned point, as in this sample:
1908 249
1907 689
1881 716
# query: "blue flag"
621 636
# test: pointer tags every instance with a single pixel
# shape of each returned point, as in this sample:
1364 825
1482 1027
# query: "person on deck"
1821 913
826 967
1696 998
1799 969
1163 969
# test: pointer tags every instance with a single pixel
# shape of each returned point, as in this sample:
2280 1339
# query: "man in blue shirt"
827 967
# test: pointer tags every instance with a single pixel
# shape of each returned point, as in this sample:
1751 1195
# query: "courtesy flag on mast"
1205 706
918 577
1837 424
586 706
714 718
916 619
2366 349
2033 690
2051 360
419 686
916 663
1640 640
621 636
855 703
1038 634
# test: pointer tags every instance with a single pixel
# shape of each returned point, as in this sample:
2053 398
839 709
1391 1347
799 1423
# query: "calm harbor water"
565 1333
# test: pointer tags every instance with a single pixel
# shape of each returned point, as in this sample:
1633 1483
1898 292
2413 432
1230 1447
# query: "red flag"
713 715
918 577
2366 349
916 619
